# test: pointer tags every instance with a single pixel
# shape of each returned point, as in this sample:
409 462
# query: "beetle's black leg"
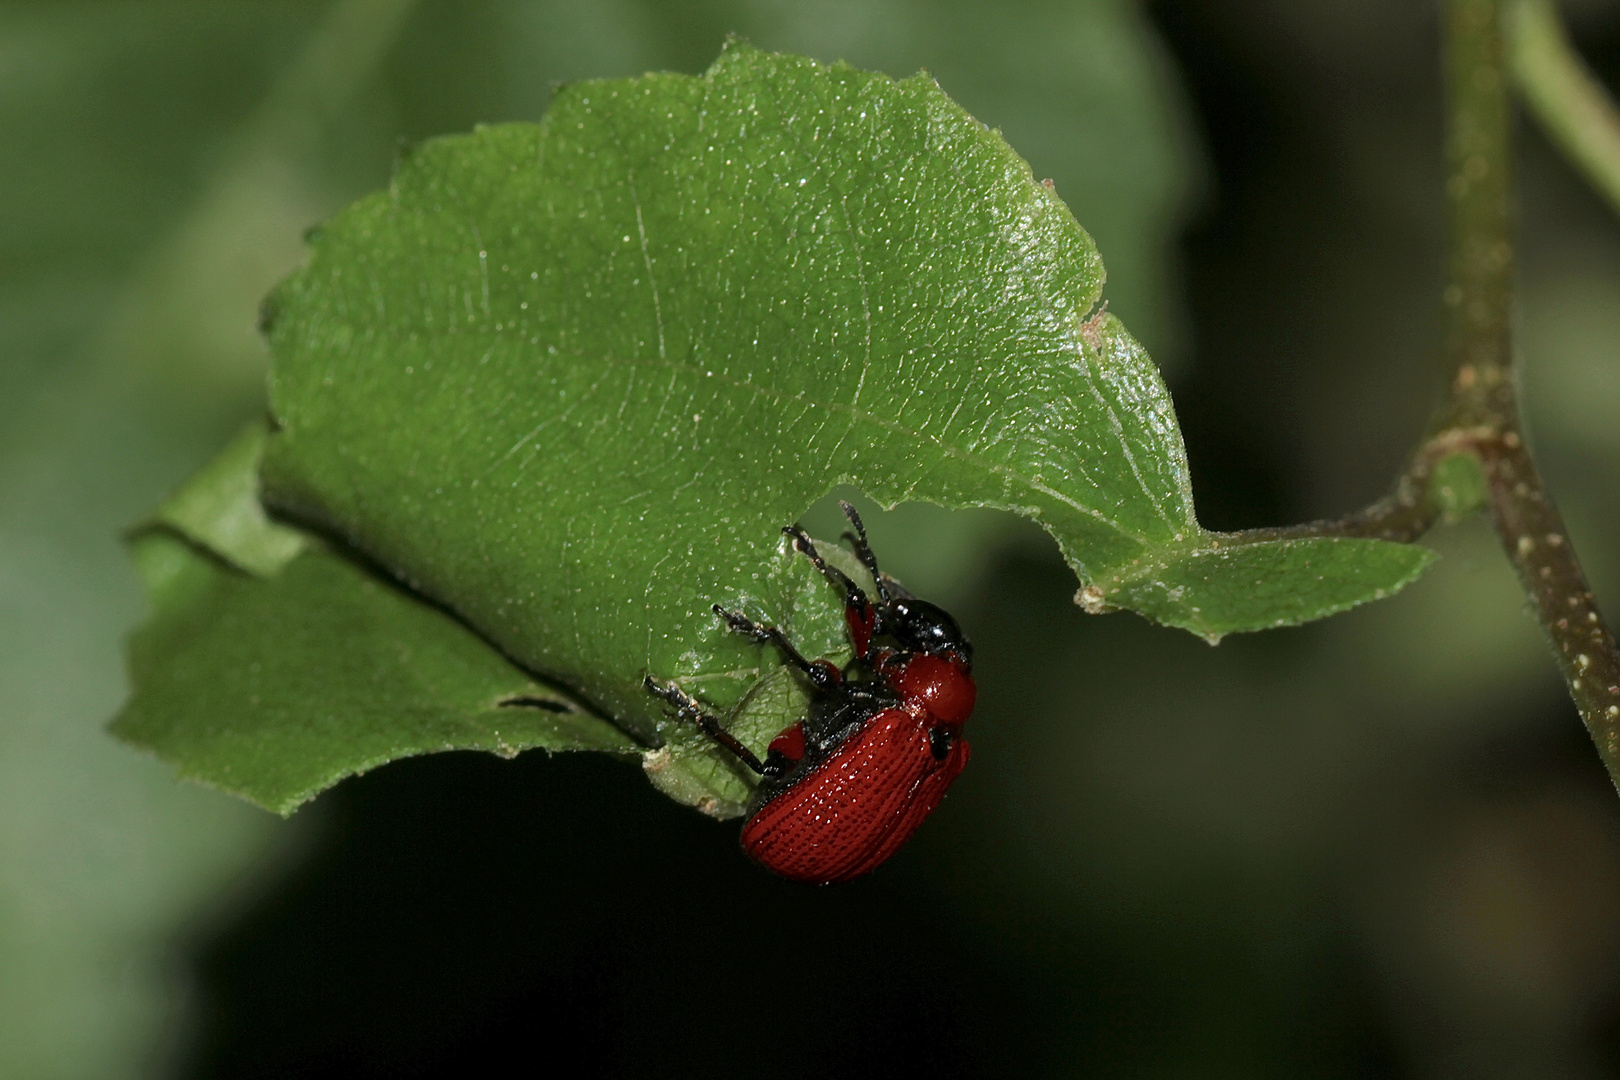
863 551
854 595
822 676
686 708
864 620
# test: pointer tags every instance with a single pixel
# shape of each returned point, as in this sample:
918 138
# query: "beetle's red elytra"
844 788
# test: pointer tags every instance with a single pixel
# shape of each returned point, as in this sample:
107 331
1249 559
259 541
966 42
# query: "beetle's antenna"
863 550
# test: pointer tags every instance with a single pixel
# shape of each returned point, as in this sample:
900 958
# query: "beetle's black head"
922 627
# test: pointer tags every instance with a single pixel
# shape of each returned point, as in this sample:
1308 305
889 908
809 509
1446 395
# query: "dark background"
1375 846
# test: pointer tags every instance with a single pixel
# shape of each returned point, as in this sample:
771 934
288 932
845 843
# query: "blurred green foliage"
1378 846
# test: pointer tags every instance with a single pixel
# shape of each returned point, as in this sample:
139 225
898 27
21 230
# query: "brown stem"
1478 415
1402 516
1534 537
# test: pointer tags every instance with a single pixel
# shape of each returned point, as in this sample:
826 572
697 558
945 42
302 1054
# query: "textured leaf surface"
1214 591
569 381
275 687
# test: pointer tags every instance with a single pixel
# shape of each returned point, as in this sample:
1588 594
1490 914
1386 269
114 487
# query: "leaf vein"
646 258
1124 443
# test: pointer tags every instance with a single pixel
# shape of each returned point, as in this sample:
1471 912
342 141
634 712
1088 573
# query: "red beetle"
842 789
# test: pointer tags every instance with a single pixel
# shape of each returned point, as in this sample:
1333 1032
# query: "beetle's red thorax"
941 686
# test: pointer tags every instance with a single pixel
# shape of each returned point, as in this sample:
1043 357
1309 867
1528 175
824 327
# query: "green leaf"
276 688
275 685
219 509
1218 590
570 380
